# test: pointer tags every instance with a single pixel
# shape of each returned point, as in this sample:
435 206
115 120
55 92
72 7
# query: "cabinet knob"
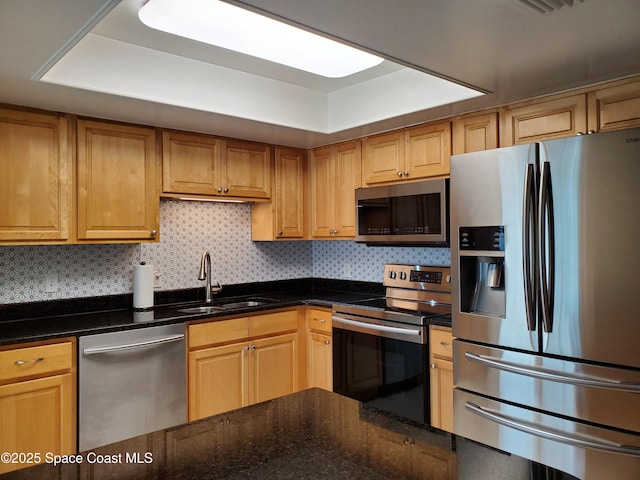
406 173
327 342
253 347
226 190
154 233
433 366
399 174
219 189
279 232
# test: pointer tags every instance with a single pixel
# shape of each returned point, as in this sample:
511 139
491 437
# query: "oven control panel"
417 277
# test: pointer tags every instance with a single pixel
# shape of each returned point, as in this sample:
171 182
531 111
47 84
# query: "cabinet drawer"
34 361
441 342
319 320
223 331
273 323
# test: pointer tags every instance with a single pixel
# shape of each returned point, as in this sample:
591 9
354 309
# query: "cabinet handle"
399 173
154 233
327 342
321 320
445 344
406 173
25 362
246 349
226 190
433 366
253 347
280 232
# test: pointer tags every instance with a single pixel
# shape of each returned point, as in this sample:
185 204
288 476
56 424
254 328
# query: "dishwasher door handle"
130 346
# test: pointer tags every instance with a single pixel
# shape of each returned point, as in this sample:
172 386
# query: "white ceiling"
499 46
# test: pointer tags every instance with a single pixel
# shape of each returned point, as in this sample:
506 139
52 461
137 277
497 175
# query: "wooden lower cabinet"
441 377
37 403
246 368
319 349
408 457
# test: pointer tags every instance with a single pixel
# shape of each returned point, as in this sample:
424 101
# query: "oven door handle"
376 327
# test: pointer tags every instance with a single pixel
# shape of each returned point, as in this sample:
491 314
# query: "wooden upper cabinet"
117 182
35 177
195 164
246 169
427 151
383 158
615 107
283 218
289 193
335 173
410 154
473 133
190 163
545 120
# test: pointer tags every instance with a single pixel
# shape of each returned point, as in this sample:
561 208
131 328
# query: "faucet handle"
217 288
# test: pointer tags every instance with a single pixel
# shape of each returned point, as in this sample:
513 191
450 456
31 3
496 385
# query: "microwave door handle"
538 430
528 249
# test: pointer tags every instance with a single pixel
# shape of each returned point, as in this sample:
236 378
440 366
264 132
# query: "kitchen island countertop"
313 434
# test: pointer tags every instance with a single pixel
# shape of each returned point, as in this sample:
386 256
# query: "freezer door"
596 394
593 279
488 189
589 452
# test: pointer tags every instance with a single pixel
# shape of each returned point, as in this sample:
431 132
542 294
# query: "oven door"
382 364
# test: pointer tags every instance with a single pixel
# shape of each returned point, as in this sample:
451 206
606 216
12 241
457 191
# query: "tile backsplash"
187 229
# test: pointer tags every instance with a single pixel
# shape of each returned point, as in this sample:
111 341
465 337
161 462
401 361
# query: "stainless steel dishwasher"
131 382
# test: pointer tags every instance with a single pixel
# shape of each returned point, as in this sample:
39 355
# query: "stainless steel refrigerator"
545 243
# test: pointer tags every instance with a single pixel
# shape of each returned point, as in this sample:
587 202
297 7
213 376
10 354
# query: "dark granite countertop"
48 320
313 434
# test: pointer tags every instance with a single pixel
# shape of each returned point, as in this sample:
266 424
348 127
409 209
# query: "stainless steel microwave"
414 213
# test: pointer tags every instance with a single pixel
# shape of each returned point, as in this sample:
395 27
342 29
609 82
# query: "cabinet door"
35 177
322 180
247 170
474 133
441 384
218 380
117 184
274 367
320 364
290 196
545 120
37 416
190 164
383 158
347 177
615 108
427 151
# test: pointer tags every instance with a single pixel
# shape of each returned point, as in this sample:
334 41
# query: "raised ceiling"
500 46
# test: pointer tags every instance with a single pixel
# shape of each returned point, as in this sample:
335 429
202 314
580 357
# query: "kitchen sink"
245 304
228 305
204 309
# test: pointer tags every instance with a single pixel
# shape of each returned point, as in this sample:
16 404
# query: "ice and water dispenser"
482 270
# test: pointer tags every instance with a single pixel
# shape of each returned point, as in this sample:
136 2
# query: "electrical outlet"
157 279
346 270
51 282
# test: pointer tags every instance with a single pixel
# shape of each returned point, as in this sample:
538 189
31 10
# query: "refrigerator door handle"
546 247
536 429
528 249
553 375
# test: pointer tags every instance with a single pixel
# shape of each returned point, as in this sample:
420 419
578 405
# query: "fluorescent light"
217 200
227 26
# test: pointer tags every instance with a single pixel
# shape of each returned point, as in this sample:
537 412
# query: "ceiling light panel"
233 28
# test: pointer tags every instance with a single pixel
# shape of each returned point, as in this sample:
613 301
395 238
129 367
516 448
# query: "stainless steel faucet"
205 274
